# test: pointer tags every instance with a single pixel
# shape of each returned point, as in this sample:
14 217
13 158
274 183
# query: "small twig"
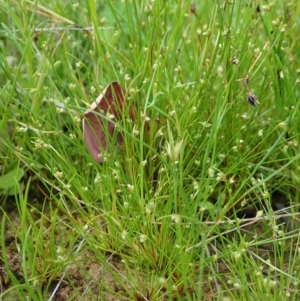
212 269
65 272
62 28
266 262
242 223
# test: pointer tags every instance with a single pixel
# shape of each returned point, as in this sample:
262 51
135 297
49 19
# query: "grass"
155 221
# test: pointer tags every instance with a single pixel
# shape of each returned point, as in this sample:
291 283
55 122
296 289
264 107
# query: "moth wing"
94 136
108 102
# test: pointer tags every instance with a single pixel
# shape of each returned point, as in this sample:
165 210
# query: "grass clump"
214 88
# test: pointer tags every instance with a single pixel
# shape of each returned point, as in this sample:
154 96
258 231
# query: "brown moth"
109 104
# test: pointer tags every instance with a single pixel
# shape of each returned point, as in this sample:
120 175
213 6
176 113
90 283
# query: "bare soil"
81 280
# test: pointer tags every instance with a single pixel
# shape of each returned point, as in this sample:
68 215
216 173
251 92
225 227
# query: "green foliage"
163 203
9 181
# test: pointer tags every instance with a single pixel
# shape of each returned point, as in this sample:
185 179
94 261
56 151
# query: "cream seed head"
135 131
259 213
211 172
40 144
196 185
66 187
159 133
143 238
19 149
130 187
237 285
127 77
173 151
98 179
59 110
79 64
144 117
221 177
124 234
58 174
22 129
176 218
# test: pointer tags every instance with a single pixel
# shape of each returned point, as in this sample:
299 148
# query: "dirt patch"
82 280
87 278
